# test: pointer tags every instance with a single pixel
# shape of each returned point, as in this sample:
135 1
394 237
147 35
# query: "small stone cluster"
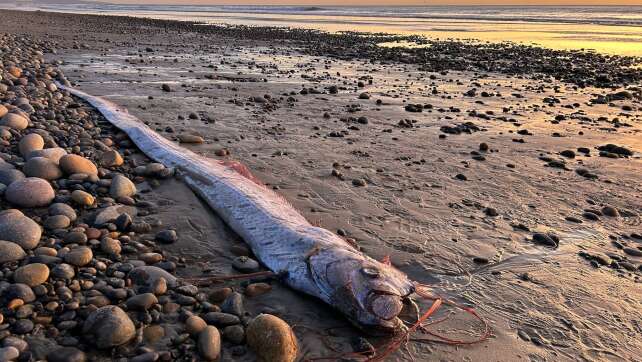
81 275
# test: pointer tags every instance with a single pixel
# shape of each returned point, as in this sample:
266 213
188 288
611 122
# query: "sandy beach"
508 178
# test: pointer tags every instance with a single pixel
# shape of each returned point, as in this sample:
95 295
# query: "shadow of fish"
311 259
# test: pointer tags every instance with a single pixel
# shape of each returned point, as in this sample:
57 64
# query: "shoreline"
463 177
583 68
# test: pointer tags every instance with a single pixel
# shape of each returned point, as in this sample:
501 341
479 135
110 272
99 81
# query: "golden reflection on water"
609 39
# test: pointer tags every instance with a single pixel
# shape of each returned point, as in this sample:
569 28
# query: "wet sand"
448 213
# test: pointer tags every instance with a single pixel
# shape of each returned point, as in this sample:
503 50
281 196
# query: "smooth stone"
166 236
15 121
271 339
111 213
62 209
79 256
188 138
209 343
633 252
29 143
20 291
43 168
110 246
256 289
610 211
20 344
121 186
17 228
10 252
9 353
31 274
245 264
9 176
57 222
30 192
221 319
67 354
145 278
63 271
194 325
111 159
72 164
109 326
141 301
233 304
82 198
54 154
234 334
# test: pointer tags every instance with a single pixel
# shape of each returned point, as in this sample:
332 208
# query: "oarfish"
311 259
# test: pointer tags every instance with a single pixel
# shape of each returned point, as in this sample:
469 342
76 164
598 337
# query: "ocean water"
605 29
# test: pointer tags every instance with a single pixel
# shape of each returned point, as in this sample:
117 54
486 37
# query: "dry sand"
542 303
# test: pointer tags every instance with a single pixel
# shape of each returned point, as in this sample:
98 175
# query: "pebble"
43 168
209 343
30 192
167 236
15 121
234 334
111 158
20 291
221 319
271 339
79 256
108 326
142 301
29 143
67 354
610 211
632 251
17 228
546 239
72 164
31 274
195 325
10 252
256 289
9 353
146 278
82 198
54 154
121 186
245 264
9 176
62 209
110 246
57 222
188 138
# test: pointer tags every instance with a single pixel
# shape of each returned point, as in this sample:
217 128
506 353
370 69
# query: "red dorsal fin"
242 170
386 260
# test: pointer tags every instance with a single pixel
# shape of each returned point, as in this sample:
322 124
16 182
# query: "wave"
599 15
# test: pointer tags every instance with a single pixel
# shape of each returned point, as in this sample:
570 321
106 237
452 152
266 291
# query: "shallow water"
605 29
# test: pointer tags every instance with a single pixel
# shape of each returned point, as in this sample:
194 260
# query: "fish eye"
370 272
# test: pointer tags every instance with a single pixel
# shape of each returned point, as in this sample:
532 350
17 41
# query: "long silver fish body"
311 259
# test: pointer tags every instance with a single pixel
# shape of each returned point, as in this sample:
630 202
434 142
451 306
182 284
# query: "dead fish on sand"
311 259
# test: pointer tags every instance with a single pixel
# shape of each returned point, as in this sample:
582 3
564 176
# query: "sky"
381 2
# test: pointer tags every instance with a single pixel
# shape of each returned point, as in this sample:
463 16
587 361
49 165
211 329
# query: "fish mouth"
385 306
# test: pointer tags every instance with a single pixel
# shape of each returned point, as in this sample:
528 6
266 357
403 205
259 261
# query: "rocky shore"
84 277
505 176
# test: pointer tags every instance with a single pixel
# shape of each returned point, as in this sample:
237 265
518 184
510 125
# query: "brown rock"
271 339
72 164
29 143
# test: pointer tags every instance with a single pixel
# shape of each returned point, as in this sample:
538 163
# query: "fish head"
371 294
